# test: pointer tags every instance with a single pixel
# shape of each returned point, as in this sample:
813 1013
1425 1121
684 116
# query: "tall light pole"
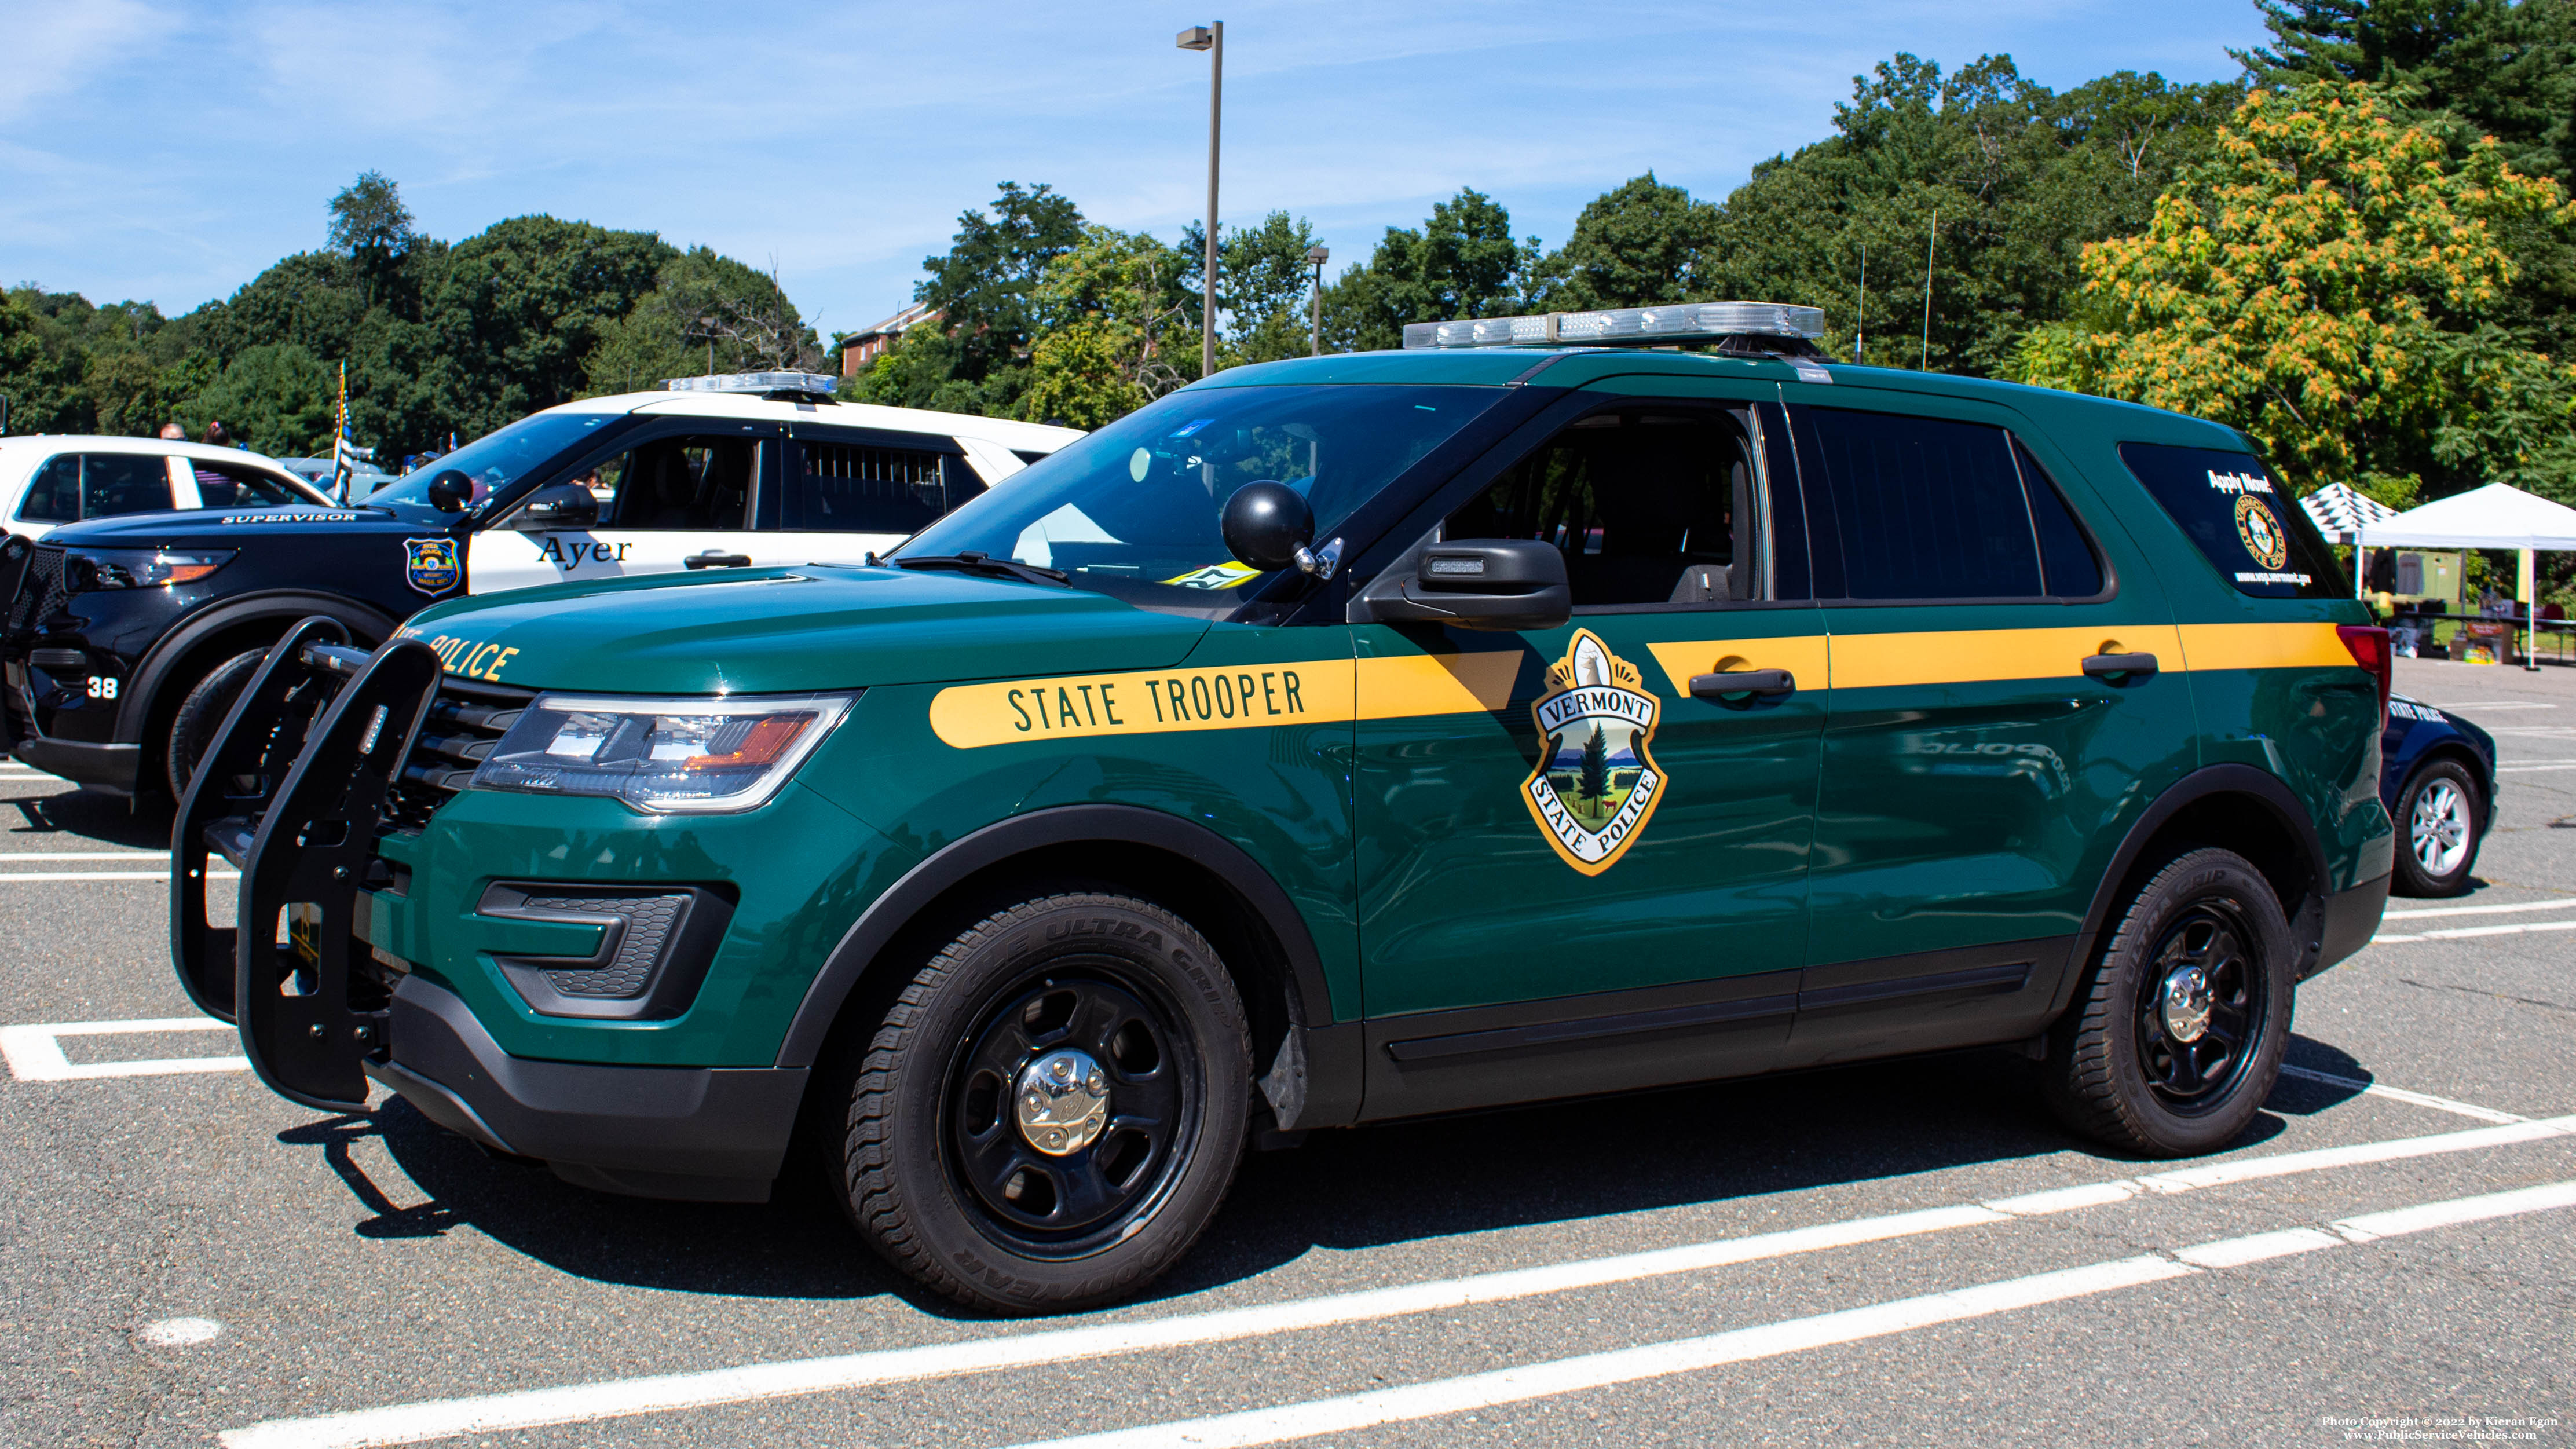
1319 256
1210 38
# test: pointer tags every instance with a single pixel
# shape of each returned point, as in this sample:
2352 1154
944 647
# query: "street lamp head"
1197 37
1318 255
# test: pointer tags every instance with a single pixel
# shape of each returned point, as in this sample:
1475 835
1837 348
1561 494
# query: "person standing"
217 436
171 432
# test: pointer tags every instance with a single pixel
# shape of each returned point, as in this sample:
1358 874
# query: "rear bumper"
715 1134
106 767
2351 918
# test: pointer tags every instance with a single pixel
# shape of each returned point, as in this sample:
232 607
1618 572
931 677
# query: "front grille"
41 592
465 721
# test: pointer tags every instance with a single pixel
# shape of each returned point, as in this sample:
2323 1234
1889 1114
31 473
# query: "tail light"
2369 646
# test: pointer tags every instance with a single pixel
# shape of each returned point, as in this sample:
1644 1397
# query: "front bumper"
111 768
710 1134
2350 919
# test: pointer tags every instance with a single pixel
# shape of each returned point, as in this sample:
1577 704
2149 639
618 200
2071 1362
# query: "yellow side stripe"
970 716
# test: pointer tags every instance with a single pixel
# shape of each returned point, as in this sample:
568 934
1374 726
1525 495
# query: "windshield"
1132 509
497 460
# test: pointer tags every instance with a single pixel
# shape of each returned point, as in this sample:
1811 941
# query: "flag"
345 454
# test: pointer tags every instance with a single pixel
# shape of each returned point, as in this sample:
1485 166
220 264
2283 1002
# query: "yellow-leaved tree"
1103 311
2329 282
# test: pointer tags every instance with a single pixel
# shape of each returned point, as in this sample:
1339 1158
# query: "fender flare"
283 608
1309 1004
2201 784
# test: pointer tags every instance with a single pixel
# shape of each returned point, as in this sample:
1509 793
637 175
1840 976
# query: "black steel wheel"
1052 1108
2198 1012
2441 818
2177 1032
1068 1112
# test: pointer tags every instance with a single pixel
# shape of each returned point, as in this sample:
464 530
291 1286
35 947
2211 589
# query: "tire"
942 1167
2148 1061
2441 819
201 713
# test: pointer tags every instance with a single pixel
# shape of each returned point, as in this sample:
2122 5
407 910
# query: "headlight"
139 568
700 753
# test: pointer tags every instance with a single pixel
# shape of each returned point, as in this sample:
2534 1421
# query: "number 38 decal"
102 686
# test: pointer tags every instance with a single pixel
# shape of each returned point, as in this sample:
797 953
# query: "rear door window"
2241 519
685 483
229 485
96 485
1924 508
848 483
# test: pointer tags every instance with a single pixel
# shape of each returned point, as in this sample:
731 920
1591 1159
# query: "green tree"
372 228
2021 178
982 284
1463 262
277 399
2326 282
1116 329
1633 247
706 313
1593 777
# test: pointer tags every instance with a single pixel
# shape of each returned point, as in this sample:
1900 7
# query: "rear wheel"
2438 818
1052 1108
2177 1034
201 713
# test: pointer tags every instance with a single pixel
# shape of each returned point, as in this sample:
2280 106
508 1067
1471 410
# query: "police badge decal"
1594 786
430 564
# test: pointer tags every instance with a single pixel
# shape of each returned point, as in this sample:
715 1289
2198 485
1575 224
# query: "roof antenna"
1928 240
1860 314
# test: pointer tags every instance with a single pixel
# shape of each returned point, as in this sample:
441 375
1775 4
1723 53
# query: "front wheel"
1052 1108
2439 812
2177 1033
201 713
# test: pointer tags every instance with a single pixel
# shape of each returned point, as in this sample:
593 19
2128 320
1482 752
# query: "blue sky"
169 153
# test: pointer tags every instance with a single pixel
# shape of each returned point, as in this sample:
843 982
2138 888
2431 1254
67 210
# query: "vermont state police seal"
1595 786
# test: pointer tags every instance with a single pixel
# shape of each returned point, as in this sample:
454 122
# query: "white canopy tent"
2496 516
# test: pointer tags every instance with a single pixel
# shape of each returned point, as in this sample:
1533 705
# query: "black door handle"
2128 666
1733 686
718 561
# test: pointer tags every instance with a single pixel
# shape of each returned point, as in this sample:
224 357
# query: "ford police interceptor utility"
1350 738
127 638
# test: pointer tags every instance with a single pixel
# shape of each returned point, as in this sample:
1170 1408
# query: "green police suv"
1516 716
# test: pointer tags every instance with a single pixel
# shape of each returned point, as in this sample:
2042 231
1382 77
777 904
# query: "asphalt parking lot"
1902 1252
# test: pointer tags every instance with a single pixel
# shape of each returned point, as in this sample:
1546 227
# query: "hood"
230 528
791 629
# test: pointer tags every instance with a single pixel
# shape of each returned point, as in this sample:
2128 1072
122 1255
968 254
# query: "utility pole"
1928 241
1210 38
1319 255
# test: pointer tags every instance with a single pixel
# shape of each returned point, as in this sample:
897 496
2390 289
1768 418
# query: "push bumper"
2351 918
709 1134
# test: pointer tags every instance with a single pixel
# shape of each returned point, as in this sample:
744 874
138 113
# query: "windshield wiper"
971 562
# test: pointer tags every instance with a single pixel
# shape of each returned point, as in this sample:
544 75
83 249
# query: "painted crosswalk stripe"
662 1393
1440 1398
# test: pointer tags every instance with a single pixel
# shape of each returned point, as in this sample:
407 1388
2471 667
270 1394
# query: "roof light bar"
760 382
1625 326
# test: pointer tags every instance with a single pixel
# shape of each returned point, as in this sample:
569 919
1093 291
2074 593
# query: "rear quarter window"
2242 520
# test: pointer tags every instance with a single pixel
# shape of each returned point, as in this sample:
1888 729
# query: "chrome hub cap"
2185 1003
2437 829
1061 1102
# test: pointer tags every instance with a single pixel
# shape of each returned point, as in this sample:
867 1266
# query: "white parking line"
2544 765
1440 1398
2497 704
2562 905
159 875
662 1393
29 857
2400 1094
2463 933
35 1053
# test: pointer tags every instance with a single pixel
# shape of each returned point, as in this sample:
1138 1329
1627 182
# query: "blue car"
2437 777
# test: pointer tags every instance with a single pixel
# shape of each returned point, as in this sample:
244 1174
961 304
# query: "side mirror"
451 491
557 505
1267 525
1476 583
